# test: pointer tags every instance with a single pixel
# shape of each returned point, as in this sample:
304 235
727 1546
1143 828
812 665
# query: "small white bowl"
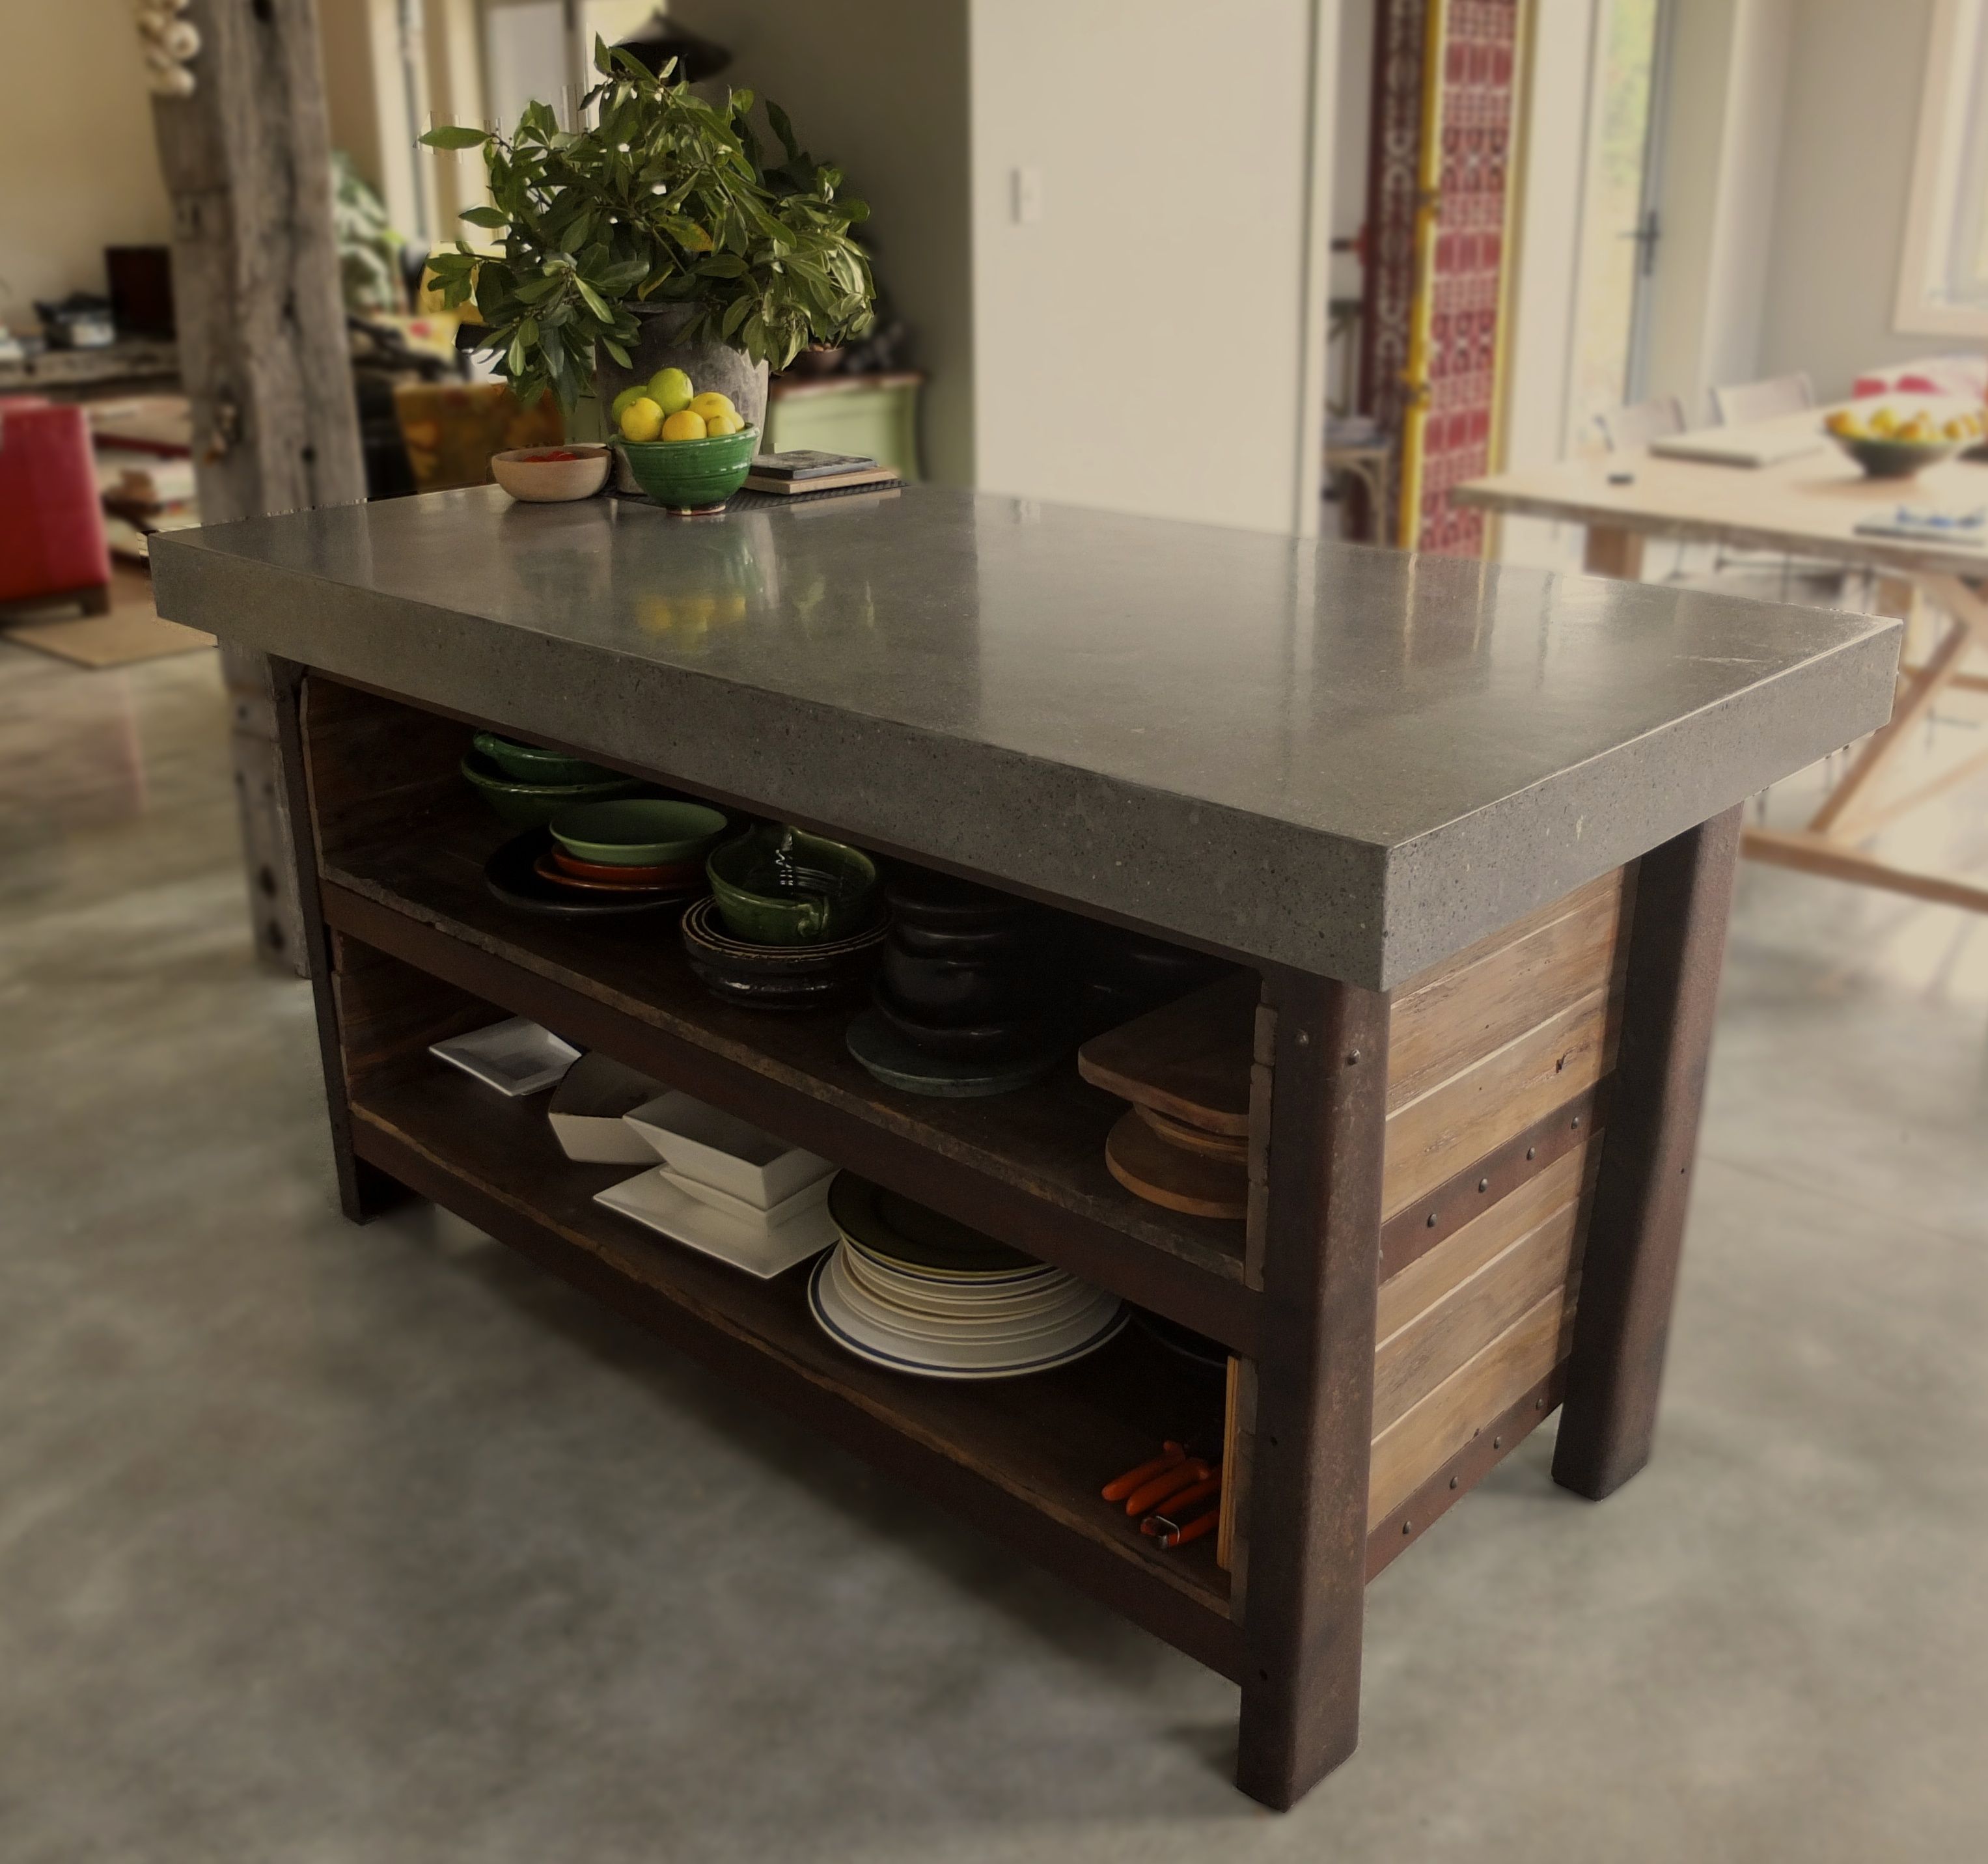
704 1142
532 479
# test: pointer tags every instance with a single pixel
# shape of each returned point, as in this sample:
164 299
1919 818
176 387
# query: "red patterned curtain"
1445 277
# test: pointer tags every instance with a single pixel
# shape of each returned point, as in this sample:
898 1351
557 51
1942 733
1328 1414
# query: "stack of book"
803 475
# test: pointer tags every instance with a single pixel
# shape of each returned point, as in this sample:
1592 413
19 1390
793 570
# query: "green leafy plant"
666 200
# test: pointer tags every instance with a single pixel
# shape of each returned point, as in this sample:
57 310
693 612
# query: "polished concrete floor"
324 1545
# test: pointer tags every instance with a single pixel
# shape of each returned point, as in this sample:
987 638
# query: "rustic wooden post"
1684 896
245 152
1306 1596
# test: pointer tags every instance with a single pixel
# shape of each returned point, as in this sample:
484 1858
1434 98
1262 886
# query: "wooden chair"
1739 404
1637 425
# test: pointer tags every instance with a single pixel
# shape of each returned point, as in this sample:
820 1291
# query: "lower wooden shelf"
1023 1459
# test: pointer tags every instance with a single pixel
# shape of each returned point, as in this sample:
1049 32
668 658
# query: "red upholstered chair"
51 541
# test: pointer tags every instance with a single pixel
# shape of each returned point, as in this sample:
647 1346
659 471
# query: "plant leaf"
455 136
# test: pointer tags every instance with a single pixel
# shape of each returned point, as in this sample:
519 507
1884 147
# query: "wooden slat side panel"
1446 1337
1429 1279
389 1012
1472 1113
373 766
1415 1447
1478 1002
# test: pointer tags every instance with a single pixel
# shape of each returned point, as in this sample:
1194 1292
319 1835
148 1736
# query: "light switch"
1026 192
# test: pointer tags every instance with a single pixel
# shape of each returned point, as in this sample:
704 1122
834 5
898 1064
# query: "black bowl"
752 992
951 993
989 1041
919 897
707 941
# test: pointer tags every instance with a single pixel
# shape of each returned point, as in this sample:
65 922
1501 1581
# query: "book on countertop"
825 482
1928 524
808 465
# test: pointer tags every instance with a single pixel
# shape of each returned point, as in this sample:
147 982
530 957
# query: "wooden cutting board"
1189 1059
1149 1167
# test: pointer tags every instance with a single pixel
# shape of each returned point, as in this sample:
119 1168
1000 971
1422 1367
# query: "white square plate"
651 1199
517 1057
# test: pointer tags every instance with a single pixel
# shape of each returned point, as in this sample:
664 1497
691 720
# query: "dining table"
1808 502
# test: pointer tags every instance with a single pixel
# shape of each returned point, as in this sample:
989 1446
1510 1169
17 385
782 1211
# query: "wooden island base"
1436 1174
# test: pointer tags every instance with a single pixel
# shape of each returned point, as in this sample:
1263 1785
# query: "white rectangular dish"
517 1056
586 1107
768 1219
703 1142
759 1248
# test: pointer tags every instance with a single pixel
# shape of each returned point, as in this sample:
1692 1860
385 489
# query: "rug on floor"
115 640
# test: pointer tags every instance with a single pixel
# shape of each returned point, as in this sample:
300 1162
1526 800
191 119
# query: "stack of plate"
910 1289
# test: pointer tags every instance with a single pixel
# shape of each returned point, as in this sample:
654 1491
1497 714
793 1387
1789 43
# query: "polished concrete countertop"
1355 761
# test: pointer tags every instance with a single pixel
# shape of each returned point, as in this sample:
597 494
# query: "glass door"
1621 230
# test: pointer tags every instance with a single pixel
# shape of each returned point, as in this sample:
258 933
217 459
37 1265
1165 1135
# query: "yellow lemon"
670 389
1956 429
641 419
1882 423
710 402
684 425
720 423
624 401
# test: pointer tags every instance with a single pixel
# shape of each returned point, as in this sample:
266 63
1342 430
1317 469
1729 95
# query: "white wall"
880 87
1149 343
79 170
1552 155
1847 143
1721 163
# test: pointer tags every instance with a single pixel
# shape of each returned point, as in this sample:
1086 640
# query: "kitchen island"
1472 829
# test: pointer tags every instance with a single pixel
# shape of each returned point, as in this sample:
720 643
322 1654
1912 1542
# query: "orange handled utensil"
1170 1522
1170 1454
1194 1530
1182 1475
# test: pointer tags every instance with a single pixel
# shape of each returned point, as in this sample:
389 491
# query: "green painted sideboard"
875 414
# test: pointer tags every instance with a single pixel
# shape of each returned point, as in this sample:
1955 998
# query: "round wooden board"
1189 1182
1193 1138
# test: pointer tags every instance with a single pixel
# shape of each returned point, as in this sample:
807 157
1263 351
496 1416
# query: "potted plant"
662 236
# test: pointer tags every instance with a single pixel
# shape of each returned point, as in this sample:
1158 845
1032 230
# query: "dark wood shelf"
1024 1458
1027 1166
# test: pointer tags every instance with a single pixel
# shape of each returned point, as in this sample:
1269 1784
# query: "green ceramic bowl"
524 763
780 886
686 475
1883 458
642 831
531 805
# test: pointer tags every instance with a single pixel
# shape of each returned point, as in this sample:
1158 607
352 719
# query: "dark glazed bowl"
951 993
989 1041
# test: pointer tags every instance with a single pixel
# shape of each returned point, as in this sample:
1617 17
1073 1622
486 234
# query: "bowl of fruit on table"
689 451
1888 444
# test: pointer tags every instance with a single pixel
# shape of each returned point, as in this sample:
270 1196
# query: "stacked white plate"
910 1289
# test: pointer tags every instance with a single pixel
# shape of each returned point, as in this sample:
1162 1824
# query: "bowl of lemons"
1888 444
689 452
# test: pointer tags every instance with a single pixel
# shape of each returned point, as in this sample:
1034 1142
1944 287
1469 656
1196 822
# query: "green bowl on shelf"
778 886
640 831
524 763
691 475
531 805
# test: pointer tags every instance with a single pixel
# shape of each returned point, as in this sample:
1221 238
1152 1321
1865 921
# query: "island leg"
1628 1278
364 1191
1307 1556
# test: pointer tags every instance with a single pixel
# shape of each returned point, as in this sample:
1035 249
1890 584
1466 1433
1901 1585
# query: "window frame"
1954 49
